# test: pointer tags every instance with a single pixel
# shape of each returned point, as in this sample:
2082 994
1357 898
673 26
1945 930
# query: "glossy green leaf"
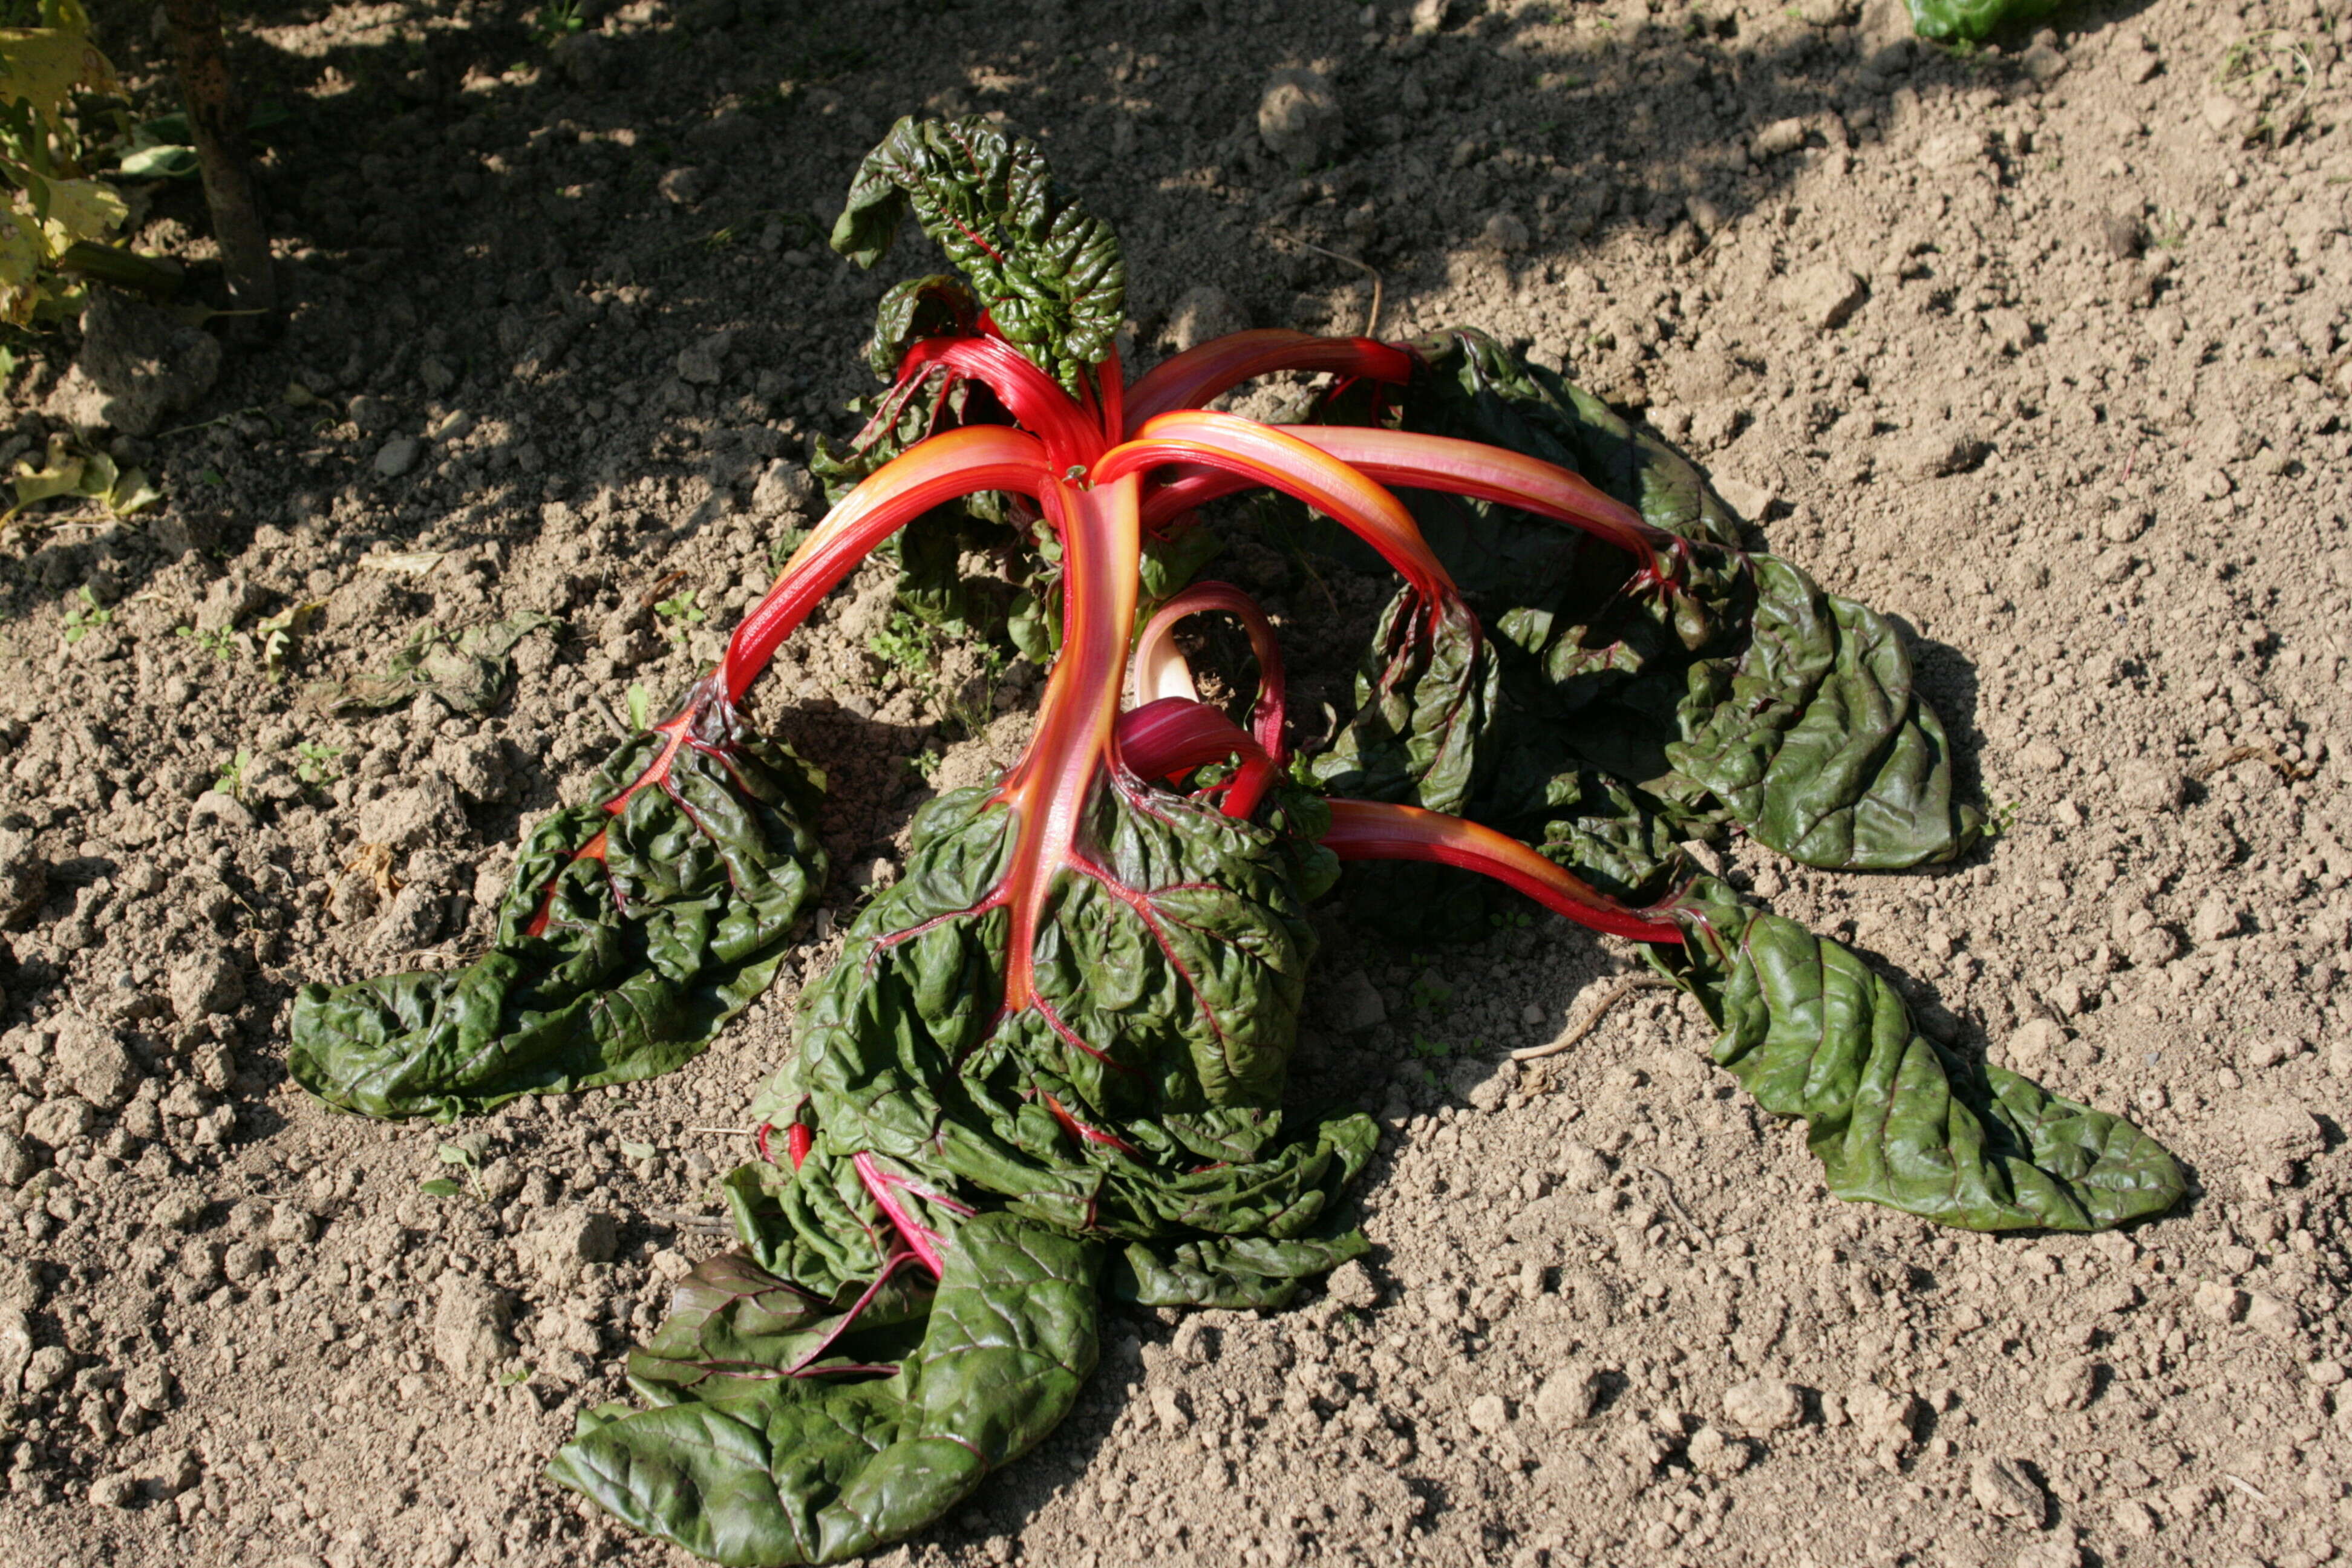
1746 694
813 1397
1814 738
744 1463
1812 1032
1472 387
1972 21
646 950
1047 272
1169 998
918 308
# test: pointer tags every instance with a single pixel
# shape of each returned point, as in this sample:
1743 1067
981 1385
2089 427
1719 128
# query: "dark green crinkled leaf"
1047 272
1812 737
1234 1273
1812 1032
1972 21
1163 1131
1186 998
1428 695
646 953
918 308
743 1465
1748 694
1472 387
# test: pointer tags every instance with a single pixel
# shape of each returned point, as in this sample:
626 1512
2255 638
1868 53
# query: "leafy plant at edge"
54 218
1050 1061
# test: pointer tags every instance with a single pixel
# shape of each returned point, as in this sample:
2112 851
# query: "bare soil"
2042 347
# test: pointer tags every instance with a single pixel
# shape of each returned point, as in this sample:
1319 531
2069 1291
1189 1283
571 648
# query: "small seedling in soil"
682 614
557 20
316 764
463 1159
230 781
904 646
81 620
1049 1063
220 642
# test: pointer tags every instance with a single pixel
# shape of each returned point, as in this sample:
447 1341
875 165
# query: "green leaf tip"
1047 272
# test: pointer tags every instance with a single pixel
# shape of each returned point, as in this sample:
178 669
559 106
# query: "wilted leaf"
1814 738
1745 693
408 564
60 474
624 942
1895 1118
471 670
1428 697
743 1462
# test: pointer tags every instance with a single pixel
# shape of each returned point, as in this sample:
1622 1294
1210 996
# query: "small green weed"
556 20
906 646
230 781
221 643
780 550
464 1159
82 619
315 763
682 614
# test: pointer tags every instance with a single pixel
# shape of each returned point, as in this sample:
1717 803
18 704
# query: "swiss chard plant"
1049 1065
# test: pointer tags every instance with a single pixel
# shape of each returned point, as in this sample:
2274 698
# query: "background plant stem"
218 119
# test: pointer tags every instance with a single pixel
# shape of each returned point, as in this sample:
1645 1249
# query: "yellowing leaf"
60 474
21 255
278 632
131 493
83 209
40 64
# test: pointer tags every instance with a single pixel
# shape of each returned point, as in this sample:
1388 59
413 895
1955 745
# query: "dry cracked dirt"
2042 347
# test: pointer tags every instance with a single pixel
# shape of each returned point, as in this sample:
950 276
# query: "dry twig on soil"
1625 986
